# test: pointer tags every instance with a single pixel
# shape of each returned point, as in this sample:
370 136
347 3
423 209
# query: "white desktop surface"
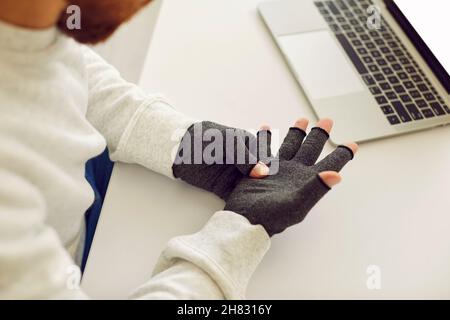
215 60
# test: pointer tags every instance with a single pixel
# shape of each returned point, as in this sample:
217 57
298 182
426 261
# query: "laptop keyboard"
396 81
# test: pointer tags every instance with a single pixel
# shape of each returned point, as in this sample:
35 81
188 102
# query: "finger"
260 171
336 160
264 141
330 178
293 140
244 155
315 141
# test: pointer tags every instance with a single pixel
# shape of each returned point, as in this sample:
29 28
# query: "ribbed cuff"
228 249
153 136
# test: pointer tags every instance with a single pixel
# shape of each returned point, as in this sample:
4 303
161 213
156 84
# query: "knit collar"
14 38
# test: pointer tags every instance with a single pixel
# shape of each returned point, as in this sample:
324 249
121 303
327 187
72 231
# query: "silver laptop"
378 68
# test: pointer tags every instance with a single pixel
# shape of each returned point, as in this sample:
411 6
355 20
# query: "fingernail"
261 169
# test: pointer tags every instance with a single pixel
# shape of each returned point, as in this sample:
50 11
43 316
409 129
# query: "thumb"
260 171
330 178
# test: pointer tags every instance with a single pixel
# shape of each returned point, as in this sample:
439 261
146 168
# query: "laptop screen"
427 25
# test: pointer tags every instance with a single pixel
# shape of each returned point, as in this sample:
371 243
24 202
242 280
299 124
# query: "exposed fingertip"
302 124
352 146
265 127
330 178
326 124
260 170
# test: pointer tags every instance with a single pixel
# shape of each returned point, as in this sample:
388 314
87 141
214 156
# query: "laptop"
378 68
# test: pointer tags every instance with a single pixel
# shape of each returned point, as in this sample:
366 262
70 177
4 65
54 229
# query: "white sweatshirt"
61 105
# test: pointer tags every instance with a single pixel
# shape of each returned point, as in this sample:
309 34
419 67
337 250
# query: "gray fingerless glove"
232 159
284 199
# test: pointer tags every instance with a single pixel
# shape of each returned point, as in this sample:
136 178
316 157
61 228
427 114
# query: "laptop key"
376 54
399 89
416 78
393 120
342 5
408 84
385 50
335 28
385 86
402 75
447 109
365 37
381 62
368 80
421 103
428 113
422 87
391 95
362 50
396 66
398 52
352 54
415 113
375 90
367 59
387 109
438 110
415 94
346 27
332 7
410 69
370 45
429 96
405 98
373 68
387 71
379 77
392 44
379 42
401 111
393 79
391 58
381 100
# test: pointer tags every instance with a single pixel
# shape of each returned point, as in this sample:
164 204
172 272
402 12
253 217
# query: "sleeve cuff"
228 249
153 136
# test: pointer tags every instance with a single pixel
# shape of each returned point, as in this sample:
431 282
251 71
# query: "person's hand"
222 172
285 198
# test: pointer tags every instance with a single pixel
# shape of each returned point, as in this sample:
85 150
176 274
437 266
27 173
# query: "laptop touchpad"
320 64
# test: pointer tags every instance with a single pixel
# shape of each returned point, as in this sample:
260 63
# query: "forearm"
138 127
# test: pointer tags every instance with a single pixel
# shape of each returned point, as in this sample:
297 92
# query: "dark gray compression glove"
284 199
222 175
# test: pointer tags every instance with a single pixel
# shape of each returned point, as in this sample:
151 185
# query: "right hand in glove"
284 199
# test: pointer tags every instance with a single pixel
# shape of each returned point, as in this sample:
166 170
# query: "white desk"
215 60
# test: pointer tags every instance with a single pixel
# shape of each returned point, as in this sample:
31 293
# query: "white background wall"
128 47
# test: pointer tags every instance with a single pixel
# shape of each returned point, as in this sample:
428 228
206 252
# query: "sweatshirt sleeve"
139 128
225 254
215 263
